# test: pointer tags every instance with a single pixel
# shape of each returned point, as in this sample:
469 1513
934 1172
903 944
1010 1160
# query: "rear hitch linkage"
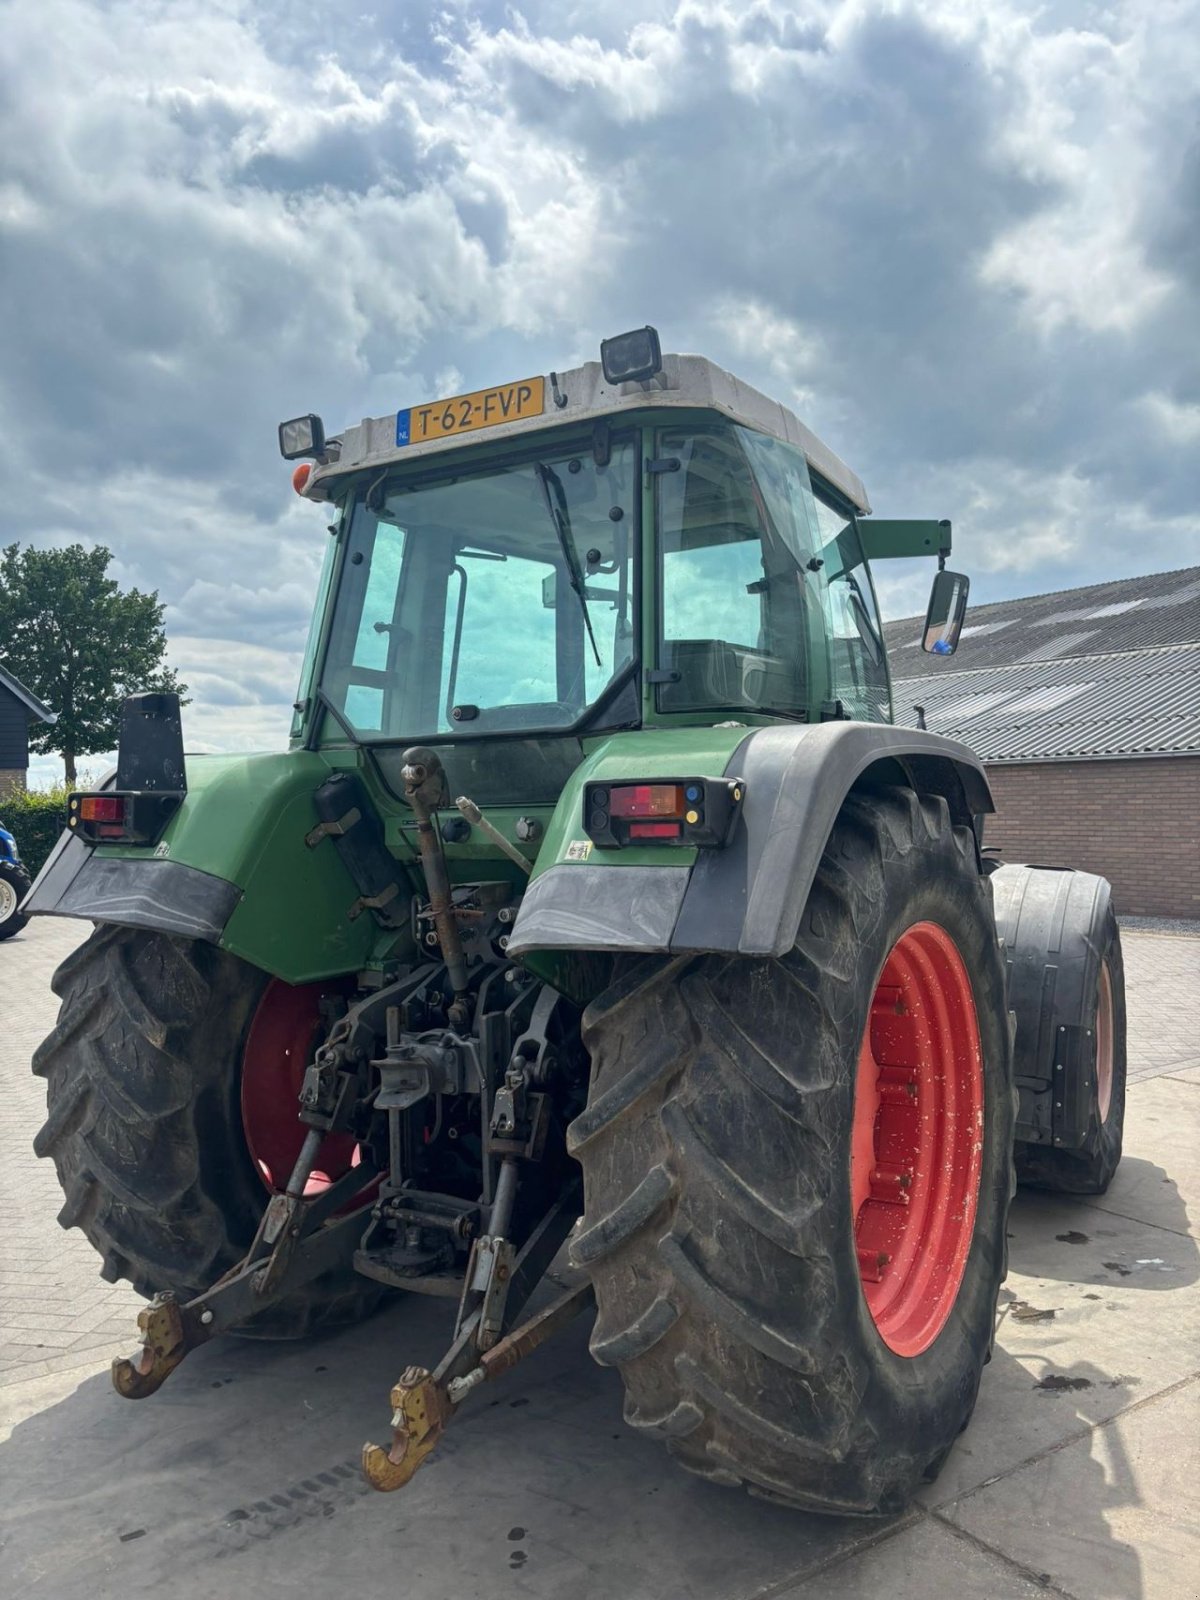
424 1402
497 1283
296 1242
410 1236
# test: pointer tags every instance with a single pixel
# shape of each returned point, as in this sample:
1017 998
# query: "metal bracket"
424 1403
373 902
332 830
488 1276
164 1345
420 1412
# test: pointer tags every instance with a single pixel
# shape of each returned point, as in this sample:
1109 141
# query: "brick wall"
11 778
1136 823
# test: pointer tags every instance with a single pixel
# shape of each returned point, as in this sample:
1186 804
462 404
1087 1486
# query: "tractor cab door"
858 671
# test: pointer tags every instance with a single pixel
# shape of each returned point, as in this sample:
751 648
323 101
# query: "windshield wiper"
552 491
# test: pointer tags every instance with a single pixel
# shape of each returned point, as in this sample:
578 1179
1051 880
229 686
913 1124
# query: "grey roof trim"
26 697
1041 661
1095 755
1078 589
685 382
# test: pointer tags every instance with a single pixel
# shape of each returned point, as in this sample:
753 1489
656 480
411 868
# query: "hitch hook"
164 1345
424 1402
420 1411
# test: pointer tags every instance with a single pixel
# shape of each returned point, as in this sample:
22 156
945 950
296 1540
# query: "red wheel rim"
283 1035
1104 1042
917 1145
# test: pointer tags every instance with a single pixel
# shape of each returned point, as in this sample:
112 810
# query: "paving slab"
927 1558
1151 1185
52 1296
1098 1312
1114 1516
1162 978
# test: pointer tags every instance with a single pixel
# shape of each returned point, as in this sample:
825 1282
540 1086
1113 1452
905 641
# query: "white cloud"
960 240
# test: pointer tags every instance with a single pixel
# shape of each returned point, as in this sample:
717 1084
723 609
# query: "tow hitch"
295 1243
424 1402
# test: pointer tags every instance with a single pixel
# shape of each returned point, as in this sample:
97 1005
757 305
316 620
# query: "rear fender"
232 868
747 898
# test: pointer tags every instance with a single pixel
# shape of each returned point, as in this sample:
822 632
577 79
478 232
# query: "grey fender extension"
147 893
748 898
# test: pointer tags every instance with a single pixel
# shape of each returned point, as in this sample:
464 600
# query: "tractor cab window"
734 538
489 601
766 602
857 657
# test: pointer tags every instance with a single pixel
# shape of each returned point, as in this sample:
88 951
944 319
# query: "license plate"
486 408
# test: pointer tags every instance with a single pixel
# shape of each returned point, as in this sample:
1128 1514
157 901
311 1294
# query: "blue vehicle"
14 885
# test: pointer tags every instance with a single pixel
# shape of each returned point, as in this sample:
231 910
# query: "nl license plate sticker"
578 850
486 408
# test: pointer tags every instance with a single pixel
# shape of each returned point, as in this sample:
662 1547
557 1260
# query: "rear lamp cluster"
134 817
677 811
97 816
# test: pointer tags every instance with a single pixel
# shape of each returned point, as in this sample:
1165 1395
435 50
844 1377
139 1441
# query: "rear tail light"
102 808
647 800
132 817
689 811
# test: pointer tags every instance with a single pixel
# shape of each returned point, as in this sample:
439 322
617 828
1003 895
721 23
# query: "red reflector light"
102 808
301 476
655 830
647 800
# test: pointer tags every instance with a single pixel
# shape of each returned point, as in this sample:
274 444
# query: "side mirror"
947 609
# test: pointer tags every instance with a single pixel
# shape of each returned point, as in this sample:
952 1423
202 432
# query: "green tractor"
597 902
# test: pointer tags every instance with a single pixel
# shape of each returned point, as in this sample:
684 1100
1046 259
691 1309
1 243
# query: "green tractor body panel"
746 898
246 820
232 866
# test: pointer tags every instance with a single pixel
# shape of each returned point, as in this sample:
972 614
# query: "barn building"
17 708
1085 707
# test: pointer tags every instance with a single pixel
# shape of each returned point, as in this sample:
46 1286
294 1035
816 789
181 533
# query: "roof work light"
631 357
302 436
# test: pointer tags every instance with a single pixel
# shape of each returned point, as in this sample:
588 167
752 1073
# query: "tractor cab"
566 558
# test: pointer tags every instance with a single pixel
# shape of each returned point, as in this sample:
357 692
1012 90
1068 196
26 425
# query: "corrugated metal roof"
1128 703
1127 614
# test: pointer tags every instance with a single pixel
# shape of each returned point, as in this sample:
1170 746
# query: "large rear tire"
750 1130
144 1123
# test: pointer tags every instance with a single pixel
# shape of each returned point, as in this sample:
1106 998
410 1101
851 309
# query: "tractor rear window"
487 602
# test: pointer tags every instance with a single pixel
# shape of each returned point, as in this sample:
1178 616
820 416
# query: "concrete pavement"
1078 1475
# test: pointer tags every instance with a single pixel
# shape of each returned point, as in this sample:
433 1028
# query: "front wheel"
798 1174
14 886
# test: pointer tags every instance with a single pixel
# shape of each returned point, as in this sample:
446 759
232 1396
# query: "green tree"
70 634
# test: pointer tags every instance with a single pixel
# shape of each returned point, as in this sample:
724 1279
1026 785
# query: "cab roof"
583 395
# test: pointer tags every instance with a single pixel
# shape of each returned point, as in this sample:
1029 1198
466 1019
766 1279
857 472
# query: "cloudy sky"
961 239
